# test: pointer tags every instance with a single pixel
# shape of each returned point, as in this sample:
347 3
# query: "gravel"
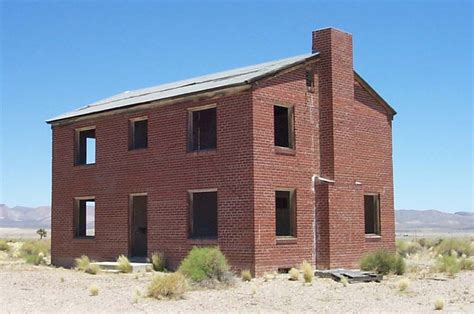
27 288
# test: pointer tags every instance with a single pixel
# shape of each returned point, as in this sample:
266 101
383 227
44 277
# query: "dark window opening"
372 214
310 80
283 126
139 134
84 218
285 213
203 215
85 147
202 129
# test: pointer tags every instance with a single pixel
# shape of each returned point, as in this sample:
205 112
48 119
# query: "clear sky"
57 56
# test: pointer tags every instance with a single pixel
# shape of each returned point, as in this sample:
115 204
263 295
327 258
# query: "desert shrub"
4 246
457 246
403 284
429 243
158 260
448 264
170 286
94 290
344 281
34 247
204 263
123 264
400 266
294 274
466 263
405 248
92 269
82 263
439 304
35 259
308 272
246 275
383 262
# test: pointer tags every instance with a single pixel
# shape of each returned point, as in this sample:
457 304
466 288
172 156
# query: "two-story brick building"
276 163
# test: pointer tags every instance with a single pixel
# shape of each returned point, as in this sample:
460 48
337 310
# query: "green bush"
170 286
158 260
34 247
123 264
457 245
405 248
448 264
4 246
204 263
35 259
383 262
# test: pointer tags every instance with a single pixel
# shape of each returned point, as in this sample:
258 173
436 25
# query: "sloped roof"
235 77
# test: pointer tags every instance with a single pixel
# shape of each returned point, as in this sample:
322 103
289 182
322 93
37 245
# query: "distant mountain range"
407 220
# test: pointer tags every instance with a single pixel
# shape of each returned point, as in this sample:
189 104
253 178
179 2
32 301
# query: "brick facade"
342 132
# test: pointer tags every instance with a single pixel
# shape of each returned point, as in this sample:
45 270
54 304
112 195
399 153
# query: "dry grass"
82 263
403 284
4 246
94 290
294 274
344 281
308 272
246 275
158 260
439 304
123 264
170 286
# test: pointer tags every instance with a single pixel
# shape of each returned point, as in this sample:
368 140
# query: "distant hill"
25 217
406 220
409 220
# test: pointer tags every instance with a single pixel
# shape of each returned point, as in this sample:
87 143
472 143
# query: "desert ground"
44 288
28 288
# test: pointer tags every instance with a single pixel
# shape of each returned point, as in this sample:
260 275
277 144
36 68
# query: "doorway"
138 225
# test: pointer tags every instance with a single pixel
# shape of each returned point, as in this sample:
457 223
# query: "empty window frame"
372 213
285 213
138 133
203 214
310 80
283 126
202 128
85 146
84 217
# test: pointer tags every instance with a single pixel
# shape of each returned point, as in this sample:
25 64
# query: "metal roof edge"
374 93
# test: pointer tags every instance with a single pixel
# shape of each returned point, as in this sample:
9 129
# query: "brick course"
342 132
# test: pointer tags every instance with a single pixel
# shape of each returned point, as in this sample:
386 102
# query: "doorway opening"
138 225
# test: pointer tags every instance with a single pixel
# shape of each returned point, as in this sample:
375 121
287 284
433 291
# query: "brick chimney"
335 48
336 126
336 82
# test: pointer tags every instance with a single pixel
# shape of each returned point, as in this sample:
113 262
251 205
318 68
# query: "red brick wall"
284 168
355 146
166 172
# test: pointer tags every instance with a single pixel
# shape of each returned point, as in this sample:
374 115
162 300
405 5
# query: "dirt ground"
28 288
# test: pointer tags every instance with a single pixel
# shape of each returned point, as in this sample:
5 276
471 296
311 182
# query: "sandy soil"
27 288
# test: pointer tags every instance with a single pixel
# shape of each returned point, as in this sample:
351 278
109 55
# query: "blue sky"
57 56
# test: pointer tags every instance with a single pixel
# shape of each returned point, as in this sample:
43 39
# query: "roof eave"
374 93
58 119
